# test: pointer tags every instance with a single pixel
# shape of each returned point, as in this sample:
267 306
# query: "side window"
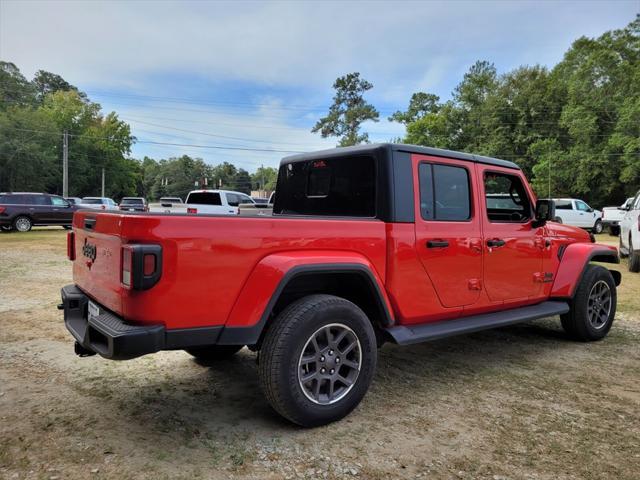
245 200
581 206
506 198
563 205
41 200
58 201
232 199
444 192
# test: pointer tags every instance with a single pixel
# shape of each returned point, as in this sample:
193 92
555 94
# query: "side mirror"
545 211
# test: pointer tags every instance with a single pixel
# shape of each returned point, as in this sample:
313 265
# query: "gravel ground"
518 402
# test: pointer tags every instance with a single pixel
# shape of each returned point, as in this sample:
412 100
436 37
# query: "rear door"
447 227
62 211
513 249
41 209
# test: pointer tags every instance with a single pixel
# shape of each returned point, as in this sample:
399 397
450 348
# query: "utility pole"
549 177
65 164
102 182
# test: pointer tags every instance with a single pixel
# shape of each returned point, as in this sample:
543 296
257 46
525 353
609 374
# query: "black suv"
21 211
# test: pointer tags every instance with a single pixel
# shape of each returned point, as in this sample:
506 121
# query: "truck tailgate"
96 269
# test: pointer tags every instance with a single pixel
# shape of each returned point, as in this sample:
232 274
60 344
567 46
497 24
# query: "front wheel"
597 228
317 360
6 228
593 306
557 220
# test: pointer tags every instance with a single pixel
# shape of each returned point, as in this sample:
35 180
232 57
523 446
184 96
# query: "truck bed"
206 259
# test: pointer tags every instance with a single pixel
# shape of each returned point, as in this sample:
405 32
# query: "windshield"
132 201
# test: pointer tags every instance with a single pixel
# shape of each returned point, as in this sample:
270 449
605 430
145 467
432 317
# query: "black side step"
433 331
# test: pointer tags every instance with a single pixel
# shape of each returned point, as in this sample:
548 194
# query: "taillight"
192 210
141 266
71 245
2 209
638 222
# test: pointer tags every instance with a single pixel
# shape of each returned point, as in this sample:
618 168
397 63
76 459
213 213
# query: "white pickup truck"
216 202
612 216
577 213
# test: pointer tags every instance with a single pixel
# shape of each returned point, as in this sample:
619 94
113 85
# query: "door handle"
495 242
437 244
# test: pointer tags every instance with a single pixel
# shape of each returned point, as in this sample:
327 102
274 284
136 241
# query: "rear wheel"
593 306
597 227
317 360
634 258
22 224
614 230
214 352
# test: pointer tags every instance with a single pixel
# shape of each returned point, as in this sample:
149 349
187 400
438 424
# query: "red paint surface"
224 270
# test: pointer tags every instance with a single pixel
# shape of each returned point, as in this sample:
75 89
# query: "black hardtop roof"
374 148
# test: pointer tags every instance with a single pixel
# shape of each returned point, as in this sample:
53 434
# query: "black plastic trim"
403 203
251 335
113 338
597 253
404 335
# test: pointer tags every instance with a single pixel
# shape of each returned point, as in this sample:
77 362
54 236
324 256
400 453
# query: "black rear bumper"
111 337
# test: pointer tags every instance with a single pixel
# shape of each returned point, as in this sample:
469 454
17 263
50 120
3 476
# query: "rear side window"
506 198
563 205
343 186
444 193
204 198
40 200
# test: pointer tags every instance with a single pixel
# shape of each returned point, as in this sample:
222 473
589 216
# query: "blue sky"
259 74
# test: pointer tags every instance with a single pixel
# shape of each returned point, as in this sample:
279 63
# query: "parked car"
630 234
577 213
22 210
611 217
133 204
73 200
366 245
212 202
102 203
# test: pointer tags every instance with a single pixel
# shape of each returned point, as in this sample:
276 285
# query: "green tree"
348 112
265 178
420 105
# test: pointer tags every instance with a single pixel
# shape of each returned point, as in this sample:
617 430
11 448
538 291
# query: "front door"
447 226
513 249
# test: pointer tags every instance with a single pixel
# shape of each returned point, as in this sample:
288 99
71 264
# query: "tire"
6 228
597 227
339 338
66 227
614 231
557 220
634 258
214 352
22 224
621 252
591 315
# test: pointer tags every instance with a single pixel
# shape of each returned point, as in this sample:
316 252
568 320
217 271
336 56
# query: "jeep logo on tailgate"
89 250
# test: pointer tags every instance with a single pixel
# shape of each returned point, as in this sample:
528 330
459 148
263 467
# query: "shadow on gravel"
223 398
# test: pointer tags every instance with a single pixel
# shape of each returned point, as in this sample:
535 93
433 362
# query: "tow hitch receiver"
81 351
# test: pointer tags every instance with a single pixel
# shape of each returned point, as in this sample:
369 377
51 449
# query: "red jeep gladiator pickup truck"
366 244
